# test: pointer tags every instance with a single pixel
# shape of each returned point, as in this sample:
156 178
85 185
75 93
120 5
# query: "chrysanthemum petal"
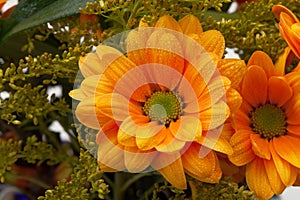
90 65
197 167
286 171
168 22
292 110
115 160
278 9
192 80
288 149
213 41
116 106
285 29
89 85
233 99
132 128
126 139
170 143
170 166
294 129
257 179
219 144
273 176
214 116
137 160
186 128
241 120
166 49
279 91
86 113
260 146
283 60
190 24
262 59
107 54
227 130
77 94
234 69
116 70
255 86
136 43
152 141
215 91
242 148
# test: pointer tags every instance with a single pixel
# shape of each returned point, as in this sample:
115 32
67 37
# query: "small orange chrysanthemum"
267 125
289 27
163 104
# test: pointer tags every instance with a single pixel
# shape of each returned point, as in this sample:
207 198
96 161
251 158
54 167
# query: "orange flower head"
267 125
161 103
289 27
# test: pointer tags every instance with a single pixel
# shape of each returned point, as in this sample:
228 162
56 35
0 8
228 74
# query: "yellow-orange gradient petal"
168 22
234 69
151 141
116 106
77 94
165 48
170 166
257 179
90 65
219 143
242 148
213 41
214 92
86 113
137 160
279 91
214 116
273 176
262 59
197 167
190 24
260 146
186 128
286 171
288 149
170 143
255 86
115 160
233 99
117 69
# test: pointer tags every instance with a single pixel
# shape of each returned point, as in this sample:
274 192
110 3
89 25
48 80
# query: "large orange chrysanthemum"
267 137
163 104
289 27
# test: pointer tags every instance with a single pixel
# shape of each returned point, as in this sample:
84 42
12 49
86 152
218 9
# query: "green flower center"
163 107
269 121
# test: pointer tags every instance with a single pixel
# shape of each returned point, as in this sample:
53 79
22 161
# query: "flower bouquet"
146 99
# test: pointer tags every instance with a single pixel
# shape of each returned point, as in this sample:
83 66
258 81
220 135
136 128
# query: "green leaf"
32 13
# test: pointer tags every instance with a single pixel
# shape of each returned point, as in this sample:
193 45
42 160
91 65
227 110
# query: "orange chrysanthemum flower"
289 27
267 125
161 106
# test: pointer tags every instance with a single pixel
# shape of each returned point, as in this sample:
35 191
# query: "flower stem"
118 193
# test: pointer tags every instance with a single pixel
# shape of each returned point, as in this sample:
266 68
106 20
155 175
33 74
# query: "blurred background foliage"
40 44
